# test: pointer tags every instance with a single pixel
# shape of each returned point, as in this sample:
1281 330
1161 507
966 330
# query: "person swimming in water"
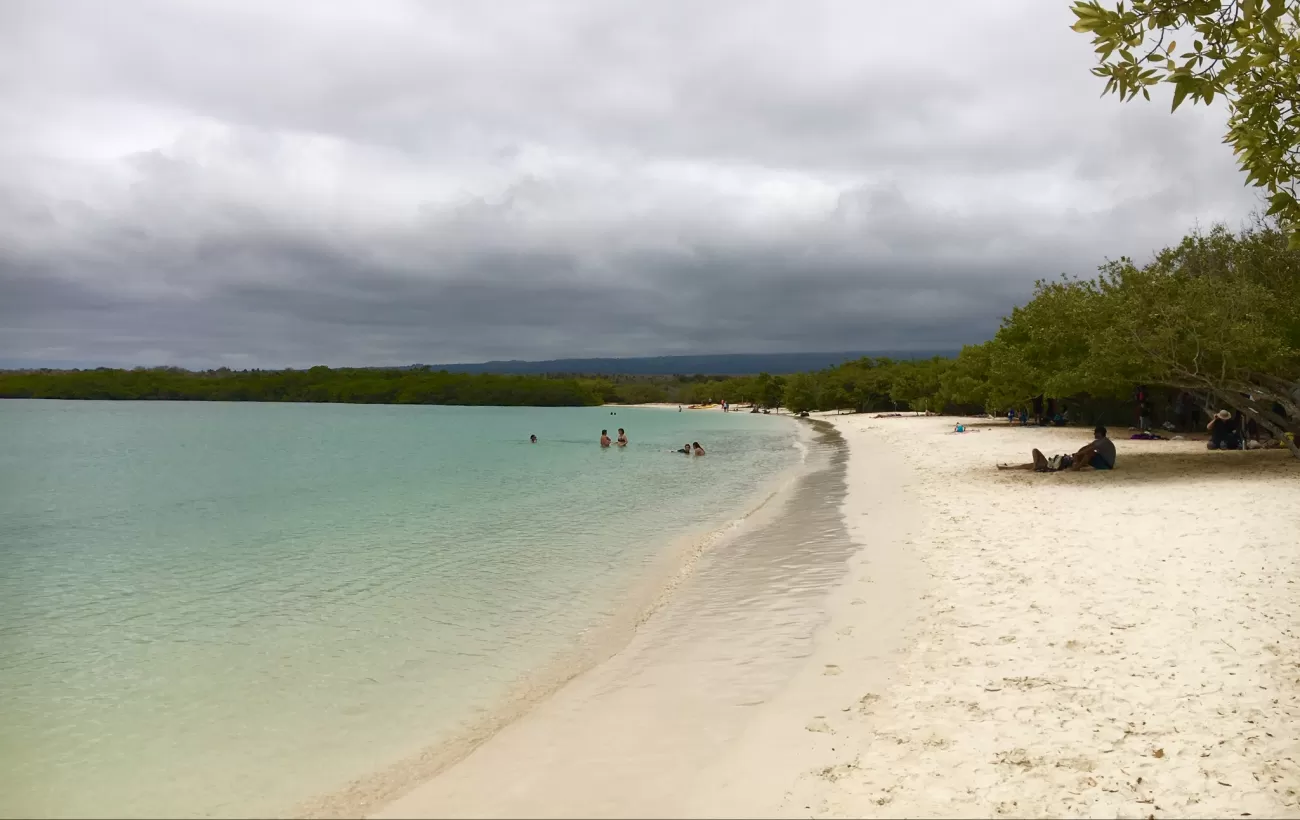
533 439
686 448
622 438
604 438
699 451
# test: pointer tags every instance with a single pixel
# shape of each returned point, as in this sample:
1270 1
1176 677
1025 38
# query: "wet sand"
914 633
651 731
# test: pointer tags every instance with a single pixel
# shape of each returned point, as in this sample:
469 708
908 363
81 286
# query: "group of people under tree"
1098 454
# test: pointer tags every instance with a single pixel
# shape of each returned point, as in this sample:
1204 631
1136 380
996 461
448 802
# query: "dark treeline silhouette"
319 384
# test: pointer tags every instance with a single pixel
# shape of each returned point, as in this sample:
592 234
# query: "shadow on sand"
1151 468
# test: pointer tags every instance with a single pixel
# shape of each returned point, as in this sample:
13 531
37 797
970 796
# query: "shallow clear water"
229 608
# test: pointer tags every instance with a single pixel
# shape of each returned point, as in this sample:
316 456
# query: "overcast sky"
259 183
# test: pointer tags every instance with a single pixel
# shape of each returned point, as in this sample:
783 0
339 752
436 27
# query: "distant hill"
727 364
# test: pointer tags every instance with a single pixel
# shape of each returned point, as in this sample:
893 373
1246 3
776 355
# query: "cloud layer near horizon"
220 182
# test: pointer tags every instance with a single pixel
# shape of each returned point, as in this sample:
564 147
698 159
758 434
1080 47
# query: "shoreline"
991 644
648 592
870 620
632 735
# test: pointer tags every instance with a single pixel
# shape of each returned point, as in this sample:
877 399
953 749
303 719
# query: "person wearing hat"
1223 432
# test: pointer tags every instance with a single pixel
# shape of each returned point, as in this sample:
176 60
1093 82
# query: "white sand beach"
1121 644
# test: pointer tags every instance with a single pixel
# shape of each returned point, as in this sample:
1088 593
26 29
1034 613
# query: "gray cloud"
221 182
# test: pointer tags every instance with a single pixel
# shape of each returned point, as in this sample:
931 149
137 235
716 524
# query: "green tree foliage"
966 381
919 384
802 392
1245 51
319 384
1216 315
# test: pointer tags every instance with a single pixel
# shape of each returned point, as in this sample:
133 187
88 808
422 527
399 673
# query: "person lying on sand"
1099 454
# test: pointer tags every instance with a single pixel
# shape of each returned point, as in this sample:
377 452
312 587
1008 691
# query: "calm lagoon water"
226 609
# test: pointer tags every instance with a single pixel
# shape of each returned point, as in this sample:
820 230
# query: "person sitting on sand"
699 451
1223 432
1099 454
622 438
604 438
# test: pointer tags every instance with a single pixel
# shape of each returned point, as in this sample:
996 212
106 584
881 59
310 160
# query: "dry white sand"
1084 644
1121 644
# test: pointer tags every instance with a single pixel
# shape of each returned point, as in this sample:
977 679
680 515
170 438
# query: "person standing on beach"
622 438
604 438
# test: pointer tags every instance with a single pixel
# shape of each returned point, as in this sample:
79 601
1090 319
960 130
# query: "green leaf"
1280 202
1180 93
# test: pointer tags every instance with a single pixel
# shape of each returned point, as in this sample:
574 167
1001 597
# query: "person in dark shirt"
1223 432
1099 454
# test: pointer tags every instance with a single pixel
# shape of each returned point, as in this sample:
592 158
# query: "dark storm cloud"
210 183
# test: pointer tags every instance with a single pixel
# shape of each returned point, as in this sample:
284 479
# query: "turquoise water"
211 608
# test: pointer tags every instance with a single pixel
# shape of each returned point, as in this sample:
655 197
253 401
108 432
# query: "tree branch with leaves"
1245 51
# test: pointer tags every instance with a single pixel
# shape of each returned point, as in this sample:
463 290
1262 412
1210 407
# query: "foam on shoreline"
639 733
1002 644
650 591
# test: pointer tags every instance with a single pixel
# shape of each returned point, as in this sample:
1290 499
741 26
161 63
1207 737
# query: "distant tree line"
318 384
1211 323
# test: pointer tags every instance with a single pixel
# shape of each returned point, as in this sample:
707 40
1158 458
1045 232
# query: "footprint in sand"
819 725
867 701
831 669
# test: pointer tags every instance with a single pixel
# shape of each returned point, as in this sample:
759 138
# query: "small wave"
674 565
